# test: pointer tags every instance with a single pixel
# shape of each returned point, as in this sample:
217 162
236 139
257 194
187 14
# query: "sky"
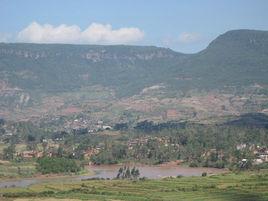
182 25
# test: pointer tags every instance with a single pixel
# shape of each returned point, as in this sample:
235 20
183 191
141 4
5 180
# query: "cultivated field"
246 186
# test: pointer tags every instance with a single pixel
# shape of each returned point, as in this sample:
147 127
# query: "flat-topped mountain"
45 67
235 58
218 80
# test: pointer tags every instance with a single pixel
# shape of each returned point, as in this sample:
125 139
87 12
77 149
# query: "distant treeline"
198 144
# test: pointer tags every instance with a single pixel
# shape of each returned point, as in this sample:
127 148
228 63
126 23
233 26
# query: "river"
110 171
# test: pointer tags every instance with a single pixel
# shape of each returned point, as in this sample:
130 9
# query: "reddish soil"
71 110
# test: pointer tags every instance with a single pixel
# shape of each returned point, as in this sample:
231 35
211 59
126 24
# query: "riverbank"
110 172
170 169
35 175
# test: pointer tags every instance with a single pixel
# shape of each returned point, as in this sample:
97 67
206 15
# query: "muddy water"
153 172
110 171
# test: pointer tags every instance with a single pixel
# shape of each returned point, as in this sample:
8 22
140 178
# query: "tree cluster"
128 173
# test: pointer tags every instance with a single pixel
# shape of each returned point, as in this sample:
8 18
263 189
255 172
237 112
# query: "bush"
143 178
48 165
193 164
262 166
204 174
104 157
219 164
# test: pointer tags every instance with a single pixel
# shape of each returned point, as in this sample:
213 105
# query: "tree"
121 126
60 151
8 152
126 173
135 173
31 142
104 157
48 165
119 174
19 171
44 146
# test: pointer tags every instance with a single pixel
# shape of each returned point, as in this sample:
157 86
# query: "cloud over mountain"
95 33
189 37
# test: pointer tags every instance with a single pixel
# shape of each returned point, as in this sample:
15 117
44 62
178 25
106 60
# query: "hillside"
258 120
55 68
230 76
234 58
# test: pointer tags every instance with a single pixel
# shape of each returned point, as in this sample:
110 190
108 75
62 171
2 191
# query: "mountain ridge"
229 77
129 69
227 33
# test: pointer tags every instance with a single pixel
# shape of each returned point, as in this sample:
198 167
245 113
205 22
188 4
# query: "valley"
81 121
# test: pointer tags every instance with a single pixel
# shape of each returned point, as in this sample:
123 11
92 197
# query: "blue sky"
183 25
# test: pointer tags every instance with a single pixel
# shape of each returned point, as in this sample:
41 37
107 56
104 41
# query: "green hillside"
128 69
236 58
250 120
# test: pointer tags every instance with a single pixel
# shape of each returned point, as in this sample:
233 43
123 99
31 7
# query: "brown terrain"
152 103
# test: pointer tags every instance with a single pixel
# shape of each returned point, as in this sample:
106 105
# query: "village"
84 138
52 147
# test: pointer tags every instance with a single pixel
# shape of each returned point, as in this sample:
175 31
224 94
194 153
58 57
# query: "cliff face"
236 58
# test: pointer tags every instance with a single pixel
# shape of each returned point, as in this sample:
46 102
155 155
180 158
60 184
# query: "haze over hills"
233 62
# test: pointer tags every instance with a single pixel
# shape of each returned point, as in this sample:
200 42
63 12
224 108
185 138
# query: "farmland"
244 186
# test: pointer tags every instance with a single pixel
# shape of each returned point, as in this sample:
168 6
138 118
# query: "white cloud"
96 33
189 37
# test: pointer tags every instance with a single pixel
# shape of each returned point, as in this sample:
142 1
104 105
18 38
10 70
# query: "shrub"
204 174
193 164
48 165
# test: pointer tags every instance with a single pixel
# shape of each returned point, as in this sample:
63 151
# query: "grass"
10 170
2 146
15 170
246 186
21 147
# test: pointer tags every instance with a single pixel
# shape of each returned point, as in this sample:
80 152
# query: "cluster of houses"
87 125
29 154
144 140
78 127
50 150
260 152
39 154
91 152
207 154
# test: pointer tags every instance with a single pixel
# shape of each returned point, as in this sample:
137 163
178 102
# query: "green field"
246 186
16 170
